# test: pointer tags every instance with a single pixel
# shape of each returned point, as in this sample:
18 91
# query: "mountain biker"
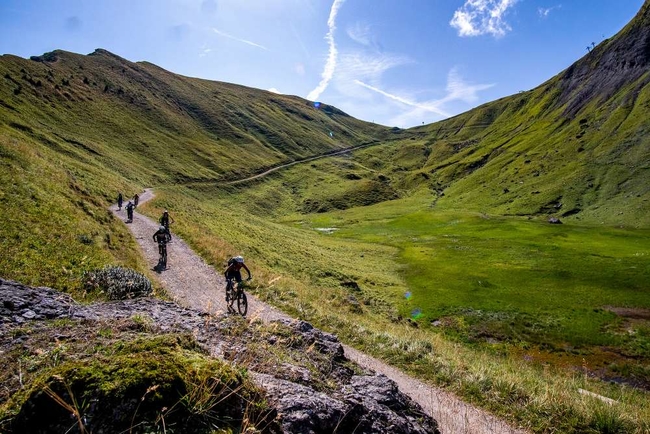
161 237
165 220
129 211
136 199
233 271
119 201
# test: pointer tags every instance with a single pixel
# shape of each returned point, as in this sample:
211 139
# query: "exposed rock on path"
333 399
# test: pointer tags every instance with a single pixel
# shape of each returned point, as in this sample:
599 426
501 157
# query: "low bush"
118 283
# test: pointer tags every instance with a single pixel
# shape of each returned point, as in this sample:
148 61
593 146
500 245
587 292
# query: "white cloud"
205 50
330 64
366 67
360 32
544 12
411 118
457 90
430 107
480 17
274 90
245 41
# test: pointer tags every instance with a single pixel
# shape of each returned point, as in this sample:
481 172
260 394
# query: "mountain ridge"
577 141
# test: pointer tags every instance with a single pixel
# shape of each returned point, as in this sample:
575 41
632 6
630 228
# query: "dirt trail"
293 163
193 283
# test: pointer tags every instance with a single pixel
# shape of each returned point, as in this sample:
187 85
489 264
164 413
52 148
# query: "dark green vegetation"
551 292
122 376
453 213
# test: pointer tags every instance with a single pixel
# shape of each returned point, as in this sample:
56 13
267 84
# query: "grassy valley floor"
513 314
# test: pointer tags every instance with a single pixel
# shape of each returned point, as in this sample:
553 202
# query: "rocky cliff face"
610 66
307 384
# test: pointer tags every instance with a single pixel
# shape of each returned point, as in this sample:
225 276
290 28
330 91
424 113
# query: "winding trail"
193 283
293 163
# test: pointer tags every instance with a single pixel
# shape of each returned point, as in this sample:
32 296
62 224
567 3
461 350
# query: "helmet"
165 212
239 259
162 228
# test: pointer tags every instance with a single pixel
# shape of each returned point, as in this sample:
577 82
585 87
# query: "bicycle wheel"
163 256
242 303
230 297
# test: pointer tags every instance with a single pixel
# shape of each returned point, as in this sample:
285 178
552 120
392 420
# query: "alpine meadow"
502 254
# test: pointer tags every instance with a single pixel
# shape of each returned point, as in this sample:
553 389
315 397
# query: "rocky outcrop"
609 66
367 404
312 387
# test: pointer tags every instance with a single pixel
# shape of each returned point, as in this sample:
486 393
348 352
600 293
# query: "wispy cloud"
360 32
430 107
205 50
244 41
457 90
544 12
480 17
368 66
330 64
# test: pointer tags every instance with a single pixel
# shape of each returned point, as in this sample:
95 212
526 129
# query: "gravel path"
193 283
304 160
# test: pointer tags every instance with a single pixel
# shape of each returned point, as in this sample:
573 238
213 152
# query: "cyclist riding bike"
129 211
234 270
162 238
165 220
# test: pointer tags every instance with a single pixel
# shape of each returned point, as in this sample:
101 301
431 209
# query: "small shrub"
118 283
606 420
85 239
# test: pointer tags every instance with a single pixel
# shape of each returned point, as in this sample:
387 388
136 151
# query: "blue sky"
398 63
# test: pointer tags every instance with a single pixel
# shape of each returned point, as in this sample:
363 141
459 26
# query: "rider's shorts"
234 275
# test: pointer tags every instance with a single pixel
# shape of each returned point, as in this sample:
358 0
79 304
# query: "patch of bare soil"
630 312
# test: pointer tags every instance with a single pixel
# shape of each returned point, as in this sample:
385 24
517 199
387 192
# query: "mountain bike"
169 234
236 294
162 250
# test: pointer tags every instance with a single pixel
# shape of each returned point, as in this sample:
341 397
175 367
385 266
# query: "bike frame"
162 251
236 293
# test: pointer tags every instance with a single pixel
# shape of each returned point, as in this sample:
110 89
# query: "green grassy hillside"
150 125
576 147
75 130
429 248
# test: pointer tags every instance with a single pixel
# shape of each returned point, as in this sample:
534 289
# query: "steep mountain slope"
75 130
577 145
134 116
